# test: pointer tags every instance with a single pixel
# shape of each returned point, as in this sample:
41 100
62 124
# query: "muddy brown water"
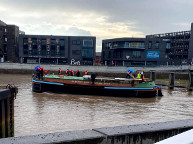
37 113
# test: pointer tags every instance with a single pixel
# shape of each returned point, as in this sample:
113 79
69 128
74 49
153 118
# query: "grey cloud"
73 31
50 30
149 16
146 16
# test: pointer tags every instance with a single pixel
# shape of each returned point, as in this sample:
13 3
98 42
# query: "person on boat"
46 72
142 76
59 71
67 73
71 72
41 73
78 73
38 73
93 76
129 74
86 73
139 75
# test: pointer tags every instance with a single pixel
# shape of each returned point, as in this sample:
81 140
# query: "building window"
61 42
75 42
87 52
157 45
53 47
53 42
109 45
136 54
25 41
137 45
25 46
76 52
168 45
43 42
150 45
87 43
43 50
127 44
34 41
48 41
34 46
115 44
62 47
34 50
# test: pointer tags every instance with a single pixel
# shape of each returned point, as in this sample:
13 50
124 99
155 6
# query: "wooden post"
2 119
190 85
171 80
152 76
7 118
7 97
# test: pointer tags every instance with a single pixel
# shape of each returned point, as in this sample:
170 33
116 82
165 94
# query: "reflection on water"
37 113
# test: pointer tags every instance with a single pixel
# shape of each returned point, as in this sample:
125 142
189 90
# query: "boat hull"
43 86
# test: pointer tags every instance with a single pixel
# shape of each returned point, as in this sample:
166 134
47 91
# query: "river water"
37 113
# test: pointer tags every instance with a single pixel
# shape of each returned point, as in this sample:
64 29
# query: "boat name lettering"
80 81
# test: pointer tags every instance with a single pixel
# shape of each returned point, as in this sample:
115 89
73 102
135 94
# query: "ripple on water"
37 113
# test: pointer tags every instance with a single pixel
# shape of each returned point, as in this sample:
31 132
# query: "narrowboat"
119 87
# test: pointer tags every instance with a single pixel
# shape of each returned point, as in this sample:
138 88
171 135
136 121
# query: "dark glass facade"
57 49
9 35
160 49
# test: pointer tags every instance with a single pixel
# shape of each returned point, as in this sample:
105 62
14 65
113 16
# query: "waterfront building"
175 48
49 49
2 39
9 35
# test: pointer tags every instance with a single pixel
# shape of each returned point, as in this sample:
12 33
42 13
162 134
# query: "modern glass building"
174 48
48 49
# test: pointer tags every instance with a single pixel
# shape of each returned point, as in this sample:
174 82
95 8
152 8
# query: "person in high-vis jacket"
139 75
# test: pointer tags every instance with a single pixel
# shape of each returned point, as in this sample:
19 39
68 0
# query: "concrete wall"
114 69
131 134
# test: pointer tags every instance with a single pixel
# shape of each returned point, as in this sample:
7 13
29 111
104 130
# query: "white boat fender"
86 76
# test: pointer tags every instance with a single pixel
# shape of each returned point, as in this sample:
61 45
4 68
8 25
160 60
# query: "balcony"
122 46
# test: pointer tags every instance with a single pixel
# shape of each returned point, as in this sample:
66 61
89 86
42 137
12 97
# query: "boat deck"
99 81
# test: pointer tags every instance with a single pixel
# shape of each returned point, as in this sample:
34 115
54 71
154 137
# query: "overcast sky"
104 19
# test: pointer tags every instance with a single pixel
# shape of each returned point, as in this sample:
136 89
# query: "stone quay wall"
111 71
131 134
